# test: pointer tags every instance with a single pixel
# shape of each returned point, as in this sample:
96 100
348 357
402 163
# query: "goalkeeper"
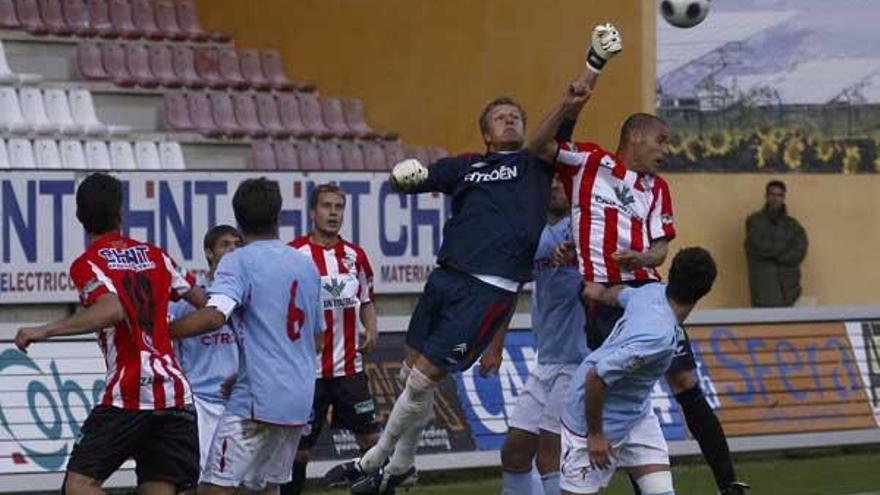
499 203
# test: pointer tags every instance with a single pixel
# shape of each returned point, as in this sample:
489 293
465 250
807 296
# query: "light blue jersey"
277 299
206 359
557 312
636 354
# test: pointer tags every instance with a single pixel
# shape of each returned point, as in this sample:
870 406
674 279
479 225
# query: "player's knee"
303 456
683 380
419 386
689 395
75 484
515 458
403 374
659 483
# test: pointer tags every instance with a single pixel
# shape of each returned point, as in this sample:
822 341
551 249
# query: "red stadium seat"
352 156
89 63
166 19
176 113
29 15
310 110
291 118
252 69
144 19
230 69
162 66
120 17
188 19
273 68
201 114
76 15
183 60
353 110
138 60
99 17
262 156
420 153
393 153
114 62
246 115
309 157
8 17
374 156
207 63
286 155
53 17
331 155
267 111
224 115
331 110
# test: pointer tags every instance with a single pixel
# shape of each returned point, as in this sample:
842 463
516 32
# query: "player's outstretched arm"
196 297
105 312
598 447
201 321
652 258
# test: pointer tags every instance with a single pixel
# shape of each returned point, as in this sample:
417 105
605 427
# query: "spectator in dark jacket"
776 245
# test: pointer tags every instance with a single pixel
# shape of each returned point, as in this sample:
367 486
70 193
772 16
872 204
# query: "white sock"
412 407
516 483
405 451
550 482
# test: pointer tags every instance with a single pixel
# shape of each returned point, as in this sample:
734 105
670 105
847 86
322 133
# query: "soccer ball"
684 13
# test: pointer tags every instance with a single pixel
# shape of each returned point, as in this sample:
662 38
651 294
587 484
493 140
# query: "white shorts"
540 403
642 446
208 414
250 454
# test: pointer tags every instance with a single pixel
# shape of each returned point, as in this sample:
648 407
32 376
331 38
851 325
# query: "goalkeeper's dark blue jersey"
499 208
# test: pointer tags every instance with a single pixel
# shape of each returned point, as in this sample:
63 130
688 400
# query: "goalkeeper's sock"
707 431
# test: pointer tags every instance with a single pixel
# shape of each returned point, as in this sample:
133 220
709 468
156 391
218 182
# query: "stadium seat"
223 111
188 18
146 155
230 69
262 156
374 156
89 62
113 56
137 59
310 110
201 114
34 111
207 63
393 153
352 156
11 118
246 115
4 155
420 153
176 113
436 153
99 17
21 154
309 157
6 74
331 155
98 156
162 67
122 156
145 19
82 107
183 60
166 19
53 17
273 68
46 154
252 69
331 110
76 15
120 18
171 155
291 118
29 15
72 155
270 120
353 110
8 17
286 155
58 111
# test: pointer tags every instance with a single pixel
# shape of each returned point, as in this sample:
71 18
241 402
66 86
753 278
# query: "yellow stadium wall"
425 68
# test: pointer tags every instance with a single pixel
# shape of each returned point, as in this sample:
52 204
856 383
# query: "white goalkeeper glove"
606 44
409 173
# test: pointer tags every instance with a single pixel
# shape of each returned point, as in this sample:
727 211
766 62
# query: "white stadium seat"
4 156
72 156
6 74
58 111
46 153
147 155
21 155
83 111
171 155
98 156
11 118
35 112
122 156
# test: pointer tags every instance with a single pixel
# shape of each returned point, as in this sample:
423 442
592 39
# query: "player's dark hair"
497 102
691 276
257 205
639 122
99 203
321 189
775 183
218 231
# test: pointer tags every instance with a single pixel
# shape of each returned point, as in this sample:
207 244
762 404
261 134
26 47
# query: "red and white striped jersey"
613 209
347 283
142 370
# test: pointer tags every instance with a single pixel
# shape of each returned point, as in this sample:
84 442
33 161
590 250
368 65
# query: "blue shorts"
456 317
